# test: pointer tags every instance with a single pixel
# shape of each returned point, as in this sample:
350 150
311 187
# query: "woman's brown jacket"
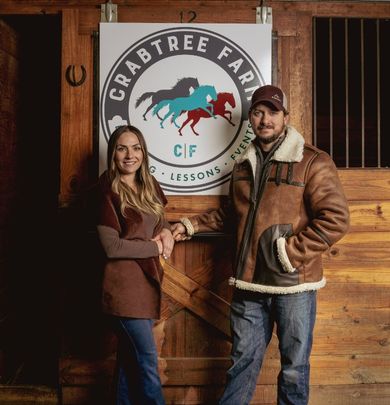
132 272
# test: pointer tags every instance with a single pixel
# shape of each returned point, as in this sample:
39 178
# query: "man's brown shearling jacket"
284 219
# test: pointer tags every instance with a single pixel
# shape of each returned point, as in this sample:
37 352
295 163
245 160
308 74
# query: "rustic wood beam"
204 303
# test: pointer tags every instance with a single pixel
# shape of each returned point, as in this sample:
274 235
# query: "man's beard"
273 138
267 140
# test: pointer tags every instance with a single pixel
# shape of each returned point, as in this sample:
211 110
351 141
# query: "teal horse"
198 99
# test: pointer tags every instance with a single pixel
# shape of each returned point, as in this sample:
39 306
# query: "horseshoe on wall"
71 76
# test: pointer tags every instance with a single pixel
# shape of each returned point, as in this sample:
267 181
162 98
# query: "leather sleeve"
220 220
327 208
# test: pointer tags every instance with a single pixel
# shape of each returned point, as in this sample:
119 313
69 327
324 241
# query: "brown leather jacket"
282 222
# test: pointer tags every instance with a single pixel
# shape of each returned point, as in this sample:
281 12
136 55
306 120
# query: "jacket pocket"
269 270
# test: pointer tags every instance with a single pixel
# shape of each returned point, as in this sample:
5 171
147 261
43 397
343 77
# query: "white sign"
187 88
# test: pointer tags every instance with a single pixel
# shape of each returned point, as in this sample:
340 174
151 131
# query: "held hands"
165 243
179 232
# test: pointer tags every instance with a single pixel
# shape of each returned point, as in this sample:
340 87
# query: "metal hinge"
109 12
263 13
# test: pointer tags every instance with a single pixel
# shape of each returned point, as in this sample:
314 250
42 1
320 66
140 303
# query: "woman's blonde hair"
146 200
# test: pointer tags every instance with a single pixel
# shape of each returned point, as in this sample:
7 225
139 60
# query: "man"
286 208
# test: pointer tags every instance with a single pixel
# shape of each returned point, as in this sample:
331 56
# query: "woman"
133 233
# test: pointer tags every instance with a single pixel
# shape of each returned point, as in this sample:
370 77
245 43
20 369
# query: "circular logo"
188 91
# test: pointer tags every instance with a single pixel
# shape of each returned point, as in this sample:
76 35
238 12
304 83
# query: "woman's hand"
159 245
165 239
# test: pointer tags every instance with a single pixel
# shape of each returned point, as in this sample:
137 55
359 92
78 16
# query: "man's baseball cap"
270 95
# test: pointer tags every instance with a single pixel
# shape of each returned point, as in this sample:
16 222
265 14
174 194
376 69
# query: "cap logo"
276 97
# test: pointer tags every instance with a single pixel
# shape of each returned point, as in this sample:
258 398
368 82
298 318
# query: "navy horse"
198 99
180 89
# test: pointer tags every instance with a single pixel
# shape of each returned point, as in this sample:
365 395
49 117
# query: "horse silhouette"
219 109
198 99
180 89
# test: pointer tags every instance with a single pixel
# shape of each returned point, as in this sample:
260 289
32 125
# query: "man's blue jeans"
137 379
252 319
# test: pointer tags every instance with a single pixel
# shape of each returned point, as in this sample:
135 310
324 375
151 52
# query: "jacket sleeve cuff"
282 255
188 225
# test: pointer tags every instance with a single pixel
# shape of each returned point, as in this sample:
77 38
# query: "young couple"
286 208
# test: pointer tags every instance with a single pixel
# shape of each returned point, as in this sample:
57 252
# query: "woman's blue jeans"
253 316
137 381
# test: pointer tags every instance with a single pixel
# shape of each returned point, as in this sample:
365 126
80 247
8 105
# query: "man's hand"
179 232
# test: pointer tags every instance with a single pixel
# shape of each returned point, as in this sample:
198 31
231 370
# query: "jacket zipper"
250 220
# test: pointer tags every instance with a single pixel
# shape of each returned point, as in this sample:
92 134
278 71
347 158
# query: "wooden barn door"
350 354
193 334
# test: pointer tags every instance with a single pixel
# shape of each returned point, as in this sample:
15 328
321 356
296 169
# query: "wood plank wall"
351 355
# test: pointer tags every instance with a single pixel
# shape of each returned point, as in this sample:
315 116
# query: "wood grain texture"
76 110
210 371
28 395
351 353
195 297
363 394
369 216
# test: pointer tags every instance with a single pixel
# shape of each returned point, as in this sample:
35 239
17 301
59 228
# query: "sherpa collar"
290 150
